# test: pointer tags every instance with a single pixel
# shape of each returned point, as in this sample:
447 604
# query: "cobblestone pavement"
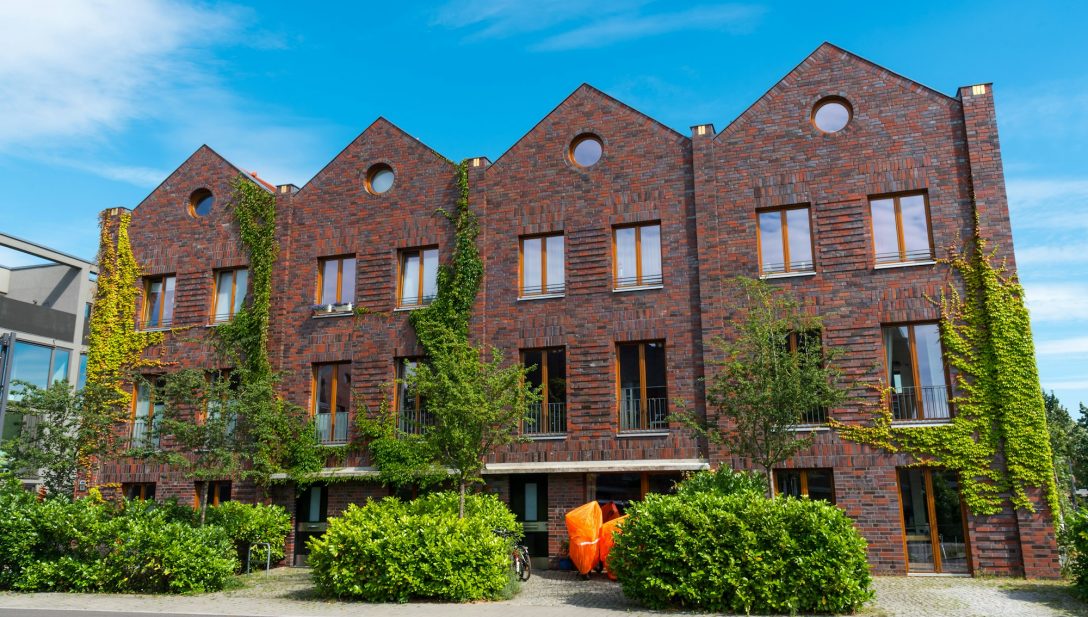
287 592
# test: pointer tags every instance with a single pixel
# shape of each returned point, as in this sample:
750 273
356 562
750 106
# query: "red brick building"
608 241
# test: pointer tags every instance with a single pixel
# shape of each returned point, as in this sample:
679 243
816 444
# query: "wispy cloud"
1063 347
1050 255
1057 302
562 25
1048 110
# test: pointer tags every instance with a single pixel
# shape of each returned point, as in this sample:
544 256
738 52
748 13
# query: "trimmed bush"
723 481
1074 538
741 553
248 524
392 551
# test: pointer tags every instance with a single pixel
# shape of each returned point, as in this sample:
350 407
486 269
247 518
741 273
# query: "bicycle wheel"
526 569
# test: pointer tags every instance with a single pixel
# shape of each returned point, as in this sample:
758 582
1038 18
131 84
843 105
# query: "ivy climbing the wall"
998 438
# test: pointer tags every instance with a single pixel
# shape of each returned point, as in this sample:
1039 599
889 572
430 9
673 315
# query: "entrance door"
933 521
529 501
312 512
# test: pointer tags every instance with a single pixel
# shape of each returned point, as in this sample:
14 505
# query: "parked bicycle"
519 557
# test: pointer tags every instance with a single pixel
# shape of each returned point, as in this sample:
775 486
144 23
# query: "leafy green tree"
772 373
49 440
1067 437
200 413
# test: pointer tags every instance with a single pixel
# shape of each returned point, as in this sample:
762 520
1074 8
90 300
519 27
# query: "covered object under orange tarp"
584 528
608 540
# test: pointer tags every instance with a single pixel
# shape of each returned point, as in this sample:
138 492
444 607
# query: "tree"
49 440
476 406
200 412
772 373
1066 439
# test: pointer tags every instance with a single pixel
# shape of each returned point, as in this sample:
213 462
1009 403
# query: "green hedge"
1074 538
724 481
248 524
393 551
741 553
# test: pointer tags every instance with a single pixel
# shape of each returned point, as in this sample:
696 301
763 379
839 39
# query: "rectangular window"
223 387
336 280
916 372
542 268
30 363
812 483
158 301
332 401
804 341
218 492
934 531
418 281
411 413
230 293
138 490
643 397
785 240
82 379
147 411
549 373
901 228
636 253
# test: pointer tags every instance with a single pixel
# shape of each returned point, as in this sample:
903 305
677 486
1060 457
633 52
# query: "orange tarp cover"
608 540
584 528
609 511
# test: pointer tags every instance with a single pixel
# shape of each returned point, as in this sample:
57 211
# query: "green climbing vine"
114 347
998 439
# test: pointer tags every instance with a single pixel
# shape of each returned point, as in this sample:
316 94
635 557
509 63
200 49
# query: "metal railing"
143 323
637 414
814 416
415 301
921 403
634 281
540 290
537 422
414 421
144 434
892 257
329 431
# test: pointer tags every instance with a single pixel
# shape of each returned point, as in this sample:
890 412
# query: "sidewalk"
287 592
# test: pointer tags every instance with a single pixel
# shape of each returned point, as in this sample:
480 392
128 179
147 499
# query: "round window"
831 115
586 150
201 202
379 179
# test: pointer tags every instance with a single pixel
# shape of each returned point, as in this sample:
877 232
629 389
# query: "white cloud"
1057 302
1063 347
582 24
76 69
1050 255
1048 195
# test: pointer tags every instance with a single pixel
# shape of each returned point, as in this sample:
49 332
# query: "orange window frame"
148 282
543 263
644 403
544 394
899 234
638 255
339 278
915 375
233 291
402 260
785 239
334 384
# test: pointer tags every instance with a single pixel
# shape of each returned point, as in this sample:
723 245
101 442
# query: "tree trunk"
461 506
770 482
203 501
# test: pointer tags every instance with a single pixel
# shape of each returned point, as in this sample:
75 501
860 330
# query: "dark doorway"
312 514
935 535
529 501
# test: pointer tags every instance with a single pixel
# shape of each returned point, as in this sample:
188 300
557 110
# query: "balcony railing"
537 422
814 416
637 414
329 431
144 323
647 280
921 403
552 289
144 434
414 421
892 257
794 266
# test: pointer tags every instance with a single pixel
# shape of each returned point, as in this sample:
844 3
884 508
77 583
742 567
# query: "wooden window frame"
215 493
152 385
146 312
899 234
334 383
644 411
398 378
787 267
233 292
141 488
543 265
640 283
931 513
402 259
211 377
340 259
544 394
803 471
915 375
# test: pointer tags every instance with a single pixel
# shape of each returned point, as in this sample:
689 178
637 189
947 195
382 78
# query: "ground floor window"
621 489
933 522
812 483
138 490
218 492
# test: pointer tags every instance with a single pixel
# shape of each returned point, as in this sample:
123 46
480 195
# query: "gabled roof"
828 49
252 175
587 90
379 121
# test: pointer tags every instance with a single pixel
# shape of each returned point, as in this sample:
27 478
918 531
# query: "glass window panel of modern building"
159 302
901 229
643 395
230 293
811 483
412 417
933 521
916 372
337 280
542 269
548 373
637 251
332 401
785 241
37 365
418 277
147 411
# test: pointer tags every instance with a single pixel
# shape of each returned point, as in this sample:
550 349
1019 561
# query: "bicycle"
519 556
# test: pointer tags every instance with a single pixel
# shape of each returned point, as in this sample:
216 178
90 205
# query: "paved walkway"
287 592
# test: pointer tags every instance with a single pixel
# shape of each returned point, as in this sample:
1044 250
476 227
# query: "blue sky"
99 101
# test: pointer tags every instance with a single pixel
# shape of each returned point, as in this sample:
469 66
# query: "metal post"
7 350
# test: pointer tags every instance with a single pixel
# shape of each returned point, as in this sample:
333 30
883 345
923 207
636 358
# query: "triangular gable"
200 153
586 90
379 124
829 53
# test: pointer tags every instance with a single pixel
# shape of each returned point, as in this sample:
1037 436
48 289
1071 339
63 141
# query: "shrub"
741 553
390 550
724 481
1074 538
18 535
247 525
